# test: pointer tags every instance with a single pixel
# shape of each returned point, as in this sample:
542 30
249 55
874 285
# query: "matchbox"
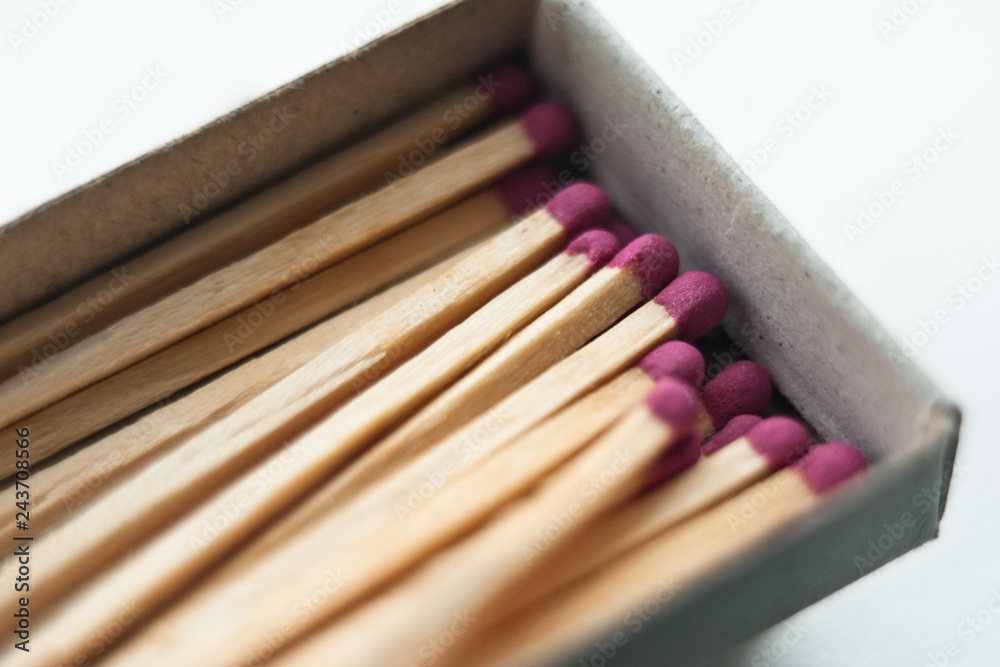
665 173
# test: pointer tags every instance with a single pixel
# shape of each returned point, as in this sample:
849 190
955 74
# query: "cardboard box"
826 354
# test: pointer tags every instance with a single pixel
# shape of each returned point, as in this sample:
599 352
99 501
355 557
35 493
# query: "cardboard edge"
831 544
122 212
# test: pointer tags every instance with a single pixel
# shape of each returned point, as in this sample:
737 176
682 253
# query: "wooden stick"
188 473
464 578
637 272
256 222
390 545
762 451
280 315
464 170
690 306
66 486
676 560
383 553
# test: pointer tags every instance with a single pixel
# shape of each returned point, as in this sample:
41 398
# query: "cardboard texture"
666 173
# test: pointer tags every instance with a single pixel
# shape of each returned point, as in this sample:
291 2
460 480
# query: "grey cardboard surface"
665 173
824 351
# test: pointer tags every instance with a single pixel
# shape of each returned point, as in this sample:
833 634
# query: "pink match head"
779 440
623 232
653 260
740 388
580 206
676 460
734 429
697 301
827 466
673 402
551 127
676 359
507 86
527 189
599 246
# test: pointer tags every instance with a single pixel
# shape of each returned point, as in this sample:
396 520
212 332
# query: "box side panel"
824 350
667 174
90 228
861 529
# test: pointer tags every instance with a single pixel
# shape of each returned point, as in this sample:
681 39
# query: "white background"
890 90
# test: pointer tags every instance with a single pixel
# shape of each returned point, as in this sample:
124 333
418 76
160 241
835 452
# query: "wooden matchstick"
607 471
708 542
764 449
733 430
189 473
688 308
545 446
258 221
280 315
67 485
740 388
543 130
637 272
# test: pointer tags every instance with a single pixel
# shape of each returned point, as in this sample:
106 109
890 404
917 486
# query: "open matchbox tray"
665 174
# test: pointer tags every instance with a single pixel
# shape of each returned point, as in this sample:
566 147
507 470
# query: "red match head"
741 388
508 86
527 189
580 206
676 460
623 232
551 127
827 466
599 246
673 402
653 259
676 359
697 301
779 440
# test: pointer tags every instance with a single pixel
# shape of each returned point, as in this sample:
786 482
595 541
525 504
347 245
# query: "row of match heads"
697 302
730 404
